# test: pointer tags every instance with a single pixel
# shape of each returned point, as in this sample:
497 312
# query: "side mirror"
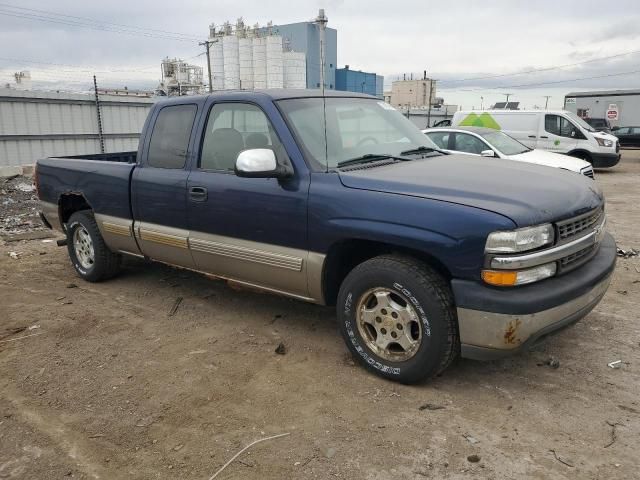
259 163
613 129
487 153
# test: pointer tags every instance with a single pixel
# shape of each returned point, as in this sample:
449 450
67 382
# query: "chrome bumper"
487 335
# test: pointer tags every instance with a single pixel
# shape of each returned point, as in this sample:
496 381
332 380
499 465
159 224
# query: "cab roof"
274 94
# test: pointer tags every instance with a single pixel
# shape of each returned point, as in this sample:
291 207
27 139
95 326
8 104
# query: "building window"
318 84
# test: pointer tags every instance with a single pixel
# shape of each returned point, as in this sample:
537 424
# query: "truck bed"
120 157
102 179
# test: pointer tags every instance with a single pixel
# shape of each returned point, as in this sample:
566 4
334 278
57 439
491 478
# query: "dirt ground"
101 381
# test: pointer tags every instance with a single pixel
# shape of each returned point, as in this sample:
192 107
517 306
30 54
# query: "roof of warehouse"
604 93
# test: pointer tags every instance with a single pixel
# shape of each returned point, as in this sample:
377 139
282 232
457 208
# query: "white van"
554 130
487 142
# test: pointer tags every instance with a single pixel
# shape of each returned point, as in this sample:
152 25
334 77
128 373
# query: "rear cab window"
170 136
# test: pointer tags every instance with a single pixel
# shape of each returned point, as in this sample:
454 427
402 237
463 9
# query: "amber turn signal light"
500 278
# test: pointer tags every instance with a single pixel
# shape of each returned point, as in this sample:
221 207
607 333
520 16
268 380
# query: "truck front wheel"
89 255
397 317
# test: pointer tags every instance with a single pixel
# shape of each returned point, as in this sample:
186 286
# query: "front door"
559 135
253 230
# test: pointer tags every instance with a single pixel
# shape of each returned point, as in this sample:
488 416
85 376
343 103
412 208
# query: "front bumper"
605 160
495 322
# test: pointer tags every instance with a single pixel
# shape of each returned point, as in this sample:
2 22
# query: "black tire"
431 300
582 156
106 264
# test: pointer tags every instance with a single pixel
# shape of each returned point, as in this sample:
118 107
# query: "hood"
551 159
604 135
528 194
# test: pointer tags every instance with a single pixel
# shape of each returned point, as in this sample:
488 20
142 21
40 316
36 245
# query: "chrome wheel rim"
83 247
389 324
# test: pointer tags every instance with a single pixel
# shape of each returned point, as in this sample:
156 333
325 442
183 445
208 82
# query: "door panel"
159 188
556 134
252 230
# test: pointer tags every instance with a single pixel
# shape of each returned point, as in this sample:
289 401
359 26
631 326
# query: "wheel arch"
70 203
581 153
343 256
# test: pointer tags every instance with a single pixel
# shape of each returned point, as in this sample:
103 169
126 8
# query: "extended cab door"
558 134
159 186
253 230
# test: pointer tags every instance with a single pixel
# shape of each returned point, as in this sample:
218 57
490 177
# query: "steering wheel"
365 140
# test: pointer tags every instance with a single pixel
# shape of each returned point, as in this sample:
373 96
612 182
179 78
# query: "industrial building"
305 37
412 93
620 107
180 78
357 81
253 58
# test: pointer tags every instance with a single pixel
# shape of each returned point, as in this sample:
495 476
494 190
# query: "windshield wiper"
369 157
421 149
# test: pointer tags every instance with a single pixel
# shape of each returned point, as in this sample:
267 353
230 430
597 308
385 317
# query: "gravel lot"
101 381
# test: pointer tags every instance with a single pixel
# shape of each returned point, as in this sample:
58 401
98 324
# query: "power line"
99 22
544 69
92 26
540 84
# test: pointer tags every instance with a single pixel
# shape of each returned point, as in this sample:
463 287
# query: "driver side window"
232 128
558 125
469 144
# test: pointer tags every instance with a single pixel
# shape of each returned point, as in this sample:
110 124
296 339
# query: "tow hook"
62 242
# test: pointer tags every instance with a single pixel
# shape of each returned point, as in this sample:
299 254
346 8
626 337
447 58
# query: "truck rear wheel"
89 255
397 316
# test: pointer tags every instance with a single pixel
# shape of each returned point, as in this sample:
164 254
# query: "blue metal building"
305 37
361 82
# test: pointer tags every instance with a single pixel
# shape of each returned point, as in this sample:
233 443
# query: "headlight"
520 240
510 278
604 142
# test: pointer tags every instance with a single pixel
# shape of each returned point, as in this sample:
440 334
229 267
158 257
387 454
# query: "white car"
556 131
487 142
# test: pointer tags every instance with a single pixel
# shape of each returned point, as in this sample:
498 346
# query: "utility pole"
431 80
481 103
207 44
546 101
100 135
321 21
506 104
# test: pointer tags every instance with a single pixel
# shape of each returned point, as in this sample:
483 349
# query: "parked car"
599 124
443 123
341 200
628 136
554 130
487 142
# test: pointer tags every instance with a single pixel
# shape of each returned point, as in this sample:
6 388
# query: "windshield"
354 127
504 143
576 119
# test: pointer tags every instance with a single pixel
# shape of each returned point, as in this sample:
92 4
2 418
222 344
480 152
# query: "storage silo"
245 51
259 59
217 64
231 62
295 70
274 62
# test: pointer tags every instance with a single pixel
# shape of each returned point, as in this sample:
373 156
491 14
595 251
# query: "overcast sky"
453 41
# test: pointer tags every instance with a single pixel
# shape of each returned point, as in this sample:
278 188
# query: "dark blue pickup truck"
339 199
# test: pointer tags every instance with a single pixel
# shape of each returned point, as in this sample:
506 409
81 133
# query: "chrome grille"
573 259
572 227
